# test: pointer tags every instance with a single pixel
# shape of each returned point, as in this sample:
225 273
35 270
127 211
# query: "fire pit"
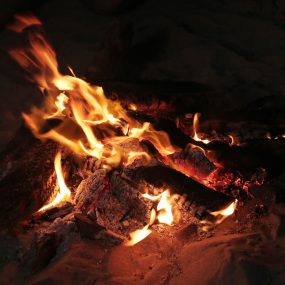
137 190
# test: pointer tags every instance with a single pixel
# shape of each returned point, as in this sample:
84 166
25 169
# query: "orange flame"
164 207
22 22
132 107
141 234
221 215
64 194
233 141
89 123
163 214
195 129
226 212
60 102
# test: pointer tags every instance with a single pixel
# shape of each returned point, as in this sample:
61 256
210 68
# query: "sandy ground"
172 255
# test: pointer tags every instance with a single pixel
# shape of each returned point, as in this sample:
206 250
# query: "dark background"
237 47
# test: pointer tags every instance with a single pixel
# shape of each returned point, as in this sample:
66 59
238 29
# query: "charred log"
112 202
115 199
160 176
191 162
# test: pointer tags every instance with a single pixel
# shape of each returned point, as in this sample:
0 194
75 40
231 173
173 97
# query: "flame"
133 155
163 214
195 129
164 206
132 107
226 212
22 22
88 122
64 194
139 235
221 216
233 140
60 103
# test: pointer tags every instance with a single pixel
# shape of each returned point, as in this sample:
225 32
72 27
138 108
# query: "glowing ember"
195 129
64 194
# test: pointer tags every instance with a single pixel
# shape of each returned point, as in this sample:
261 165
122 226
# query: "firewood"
110 200
115 199
164 177
192 162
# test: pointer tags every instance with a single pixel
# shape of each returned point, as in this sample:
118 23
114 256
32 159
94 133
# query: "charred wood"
114 200
160 176
192 162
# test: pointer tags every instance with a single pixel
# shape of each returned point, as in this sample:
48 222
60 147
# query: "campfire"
117 169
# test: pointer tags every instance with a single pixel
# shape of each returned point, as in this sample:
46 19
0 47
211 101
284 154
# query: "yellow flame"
195 129
226 212
141 234
60 103
133 155
132 107
163 214
164 208
64 194
71 71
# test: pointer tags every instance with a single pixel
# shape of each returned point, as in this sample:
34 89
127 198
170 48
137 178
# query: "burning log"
191 162
81 118
112 201
27 176
160 176
115 199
